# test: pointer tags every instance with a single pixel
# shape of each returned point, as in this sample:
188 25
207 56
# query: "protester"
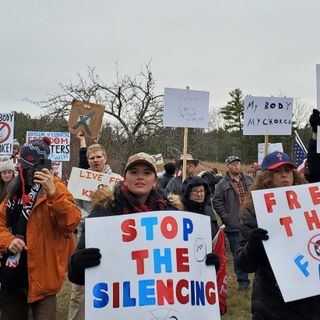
138 193
196 198
267 301
228 197
15 152
7 169
176 185
212 177
37 223
313 157
92 158
170 169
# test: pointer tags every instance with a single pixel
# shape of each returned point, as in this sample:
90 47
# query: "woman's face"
7 175
197 194
282 176
140 179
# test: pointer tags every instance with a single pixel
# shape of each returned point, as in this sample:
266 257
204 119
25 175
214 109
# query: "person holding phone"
37 223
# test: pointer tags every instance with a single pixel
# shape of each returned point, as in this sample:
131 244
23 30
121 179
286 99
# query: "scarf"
130 203
14 266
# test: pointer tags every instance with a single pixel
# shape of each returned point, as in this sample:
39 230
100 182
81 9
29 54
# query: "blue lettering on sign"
302 266
146 293
101 296
149 222
158 260
187 228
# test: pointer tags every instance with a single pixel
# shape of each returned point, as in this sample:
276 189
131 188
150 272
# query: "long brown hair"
264 180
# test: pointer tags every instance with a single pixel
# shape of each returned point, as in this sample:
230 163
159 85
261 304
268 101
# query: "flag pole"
300 142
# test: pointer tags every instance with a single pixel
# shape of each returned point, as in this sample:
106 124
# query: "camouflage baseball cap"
141 157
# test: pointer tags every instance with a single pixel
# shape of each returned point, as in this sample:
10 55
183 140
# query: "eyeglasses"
196 192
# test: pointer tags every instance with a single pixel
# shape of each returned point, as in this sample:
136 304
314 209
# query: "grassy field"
238 302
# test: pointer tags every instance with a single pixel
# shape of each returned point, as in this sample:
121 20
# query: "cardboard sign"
87 117
59 146
292 217
271 148
186 108
267 116
6 133
157 159
152 267
83 183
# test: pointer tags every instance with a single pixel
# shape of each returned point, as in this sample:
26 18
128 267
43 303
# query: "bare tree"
301 113
135 110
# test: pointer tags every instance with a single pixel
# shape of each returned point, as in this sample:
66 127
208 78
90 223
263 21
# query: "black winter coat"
267 301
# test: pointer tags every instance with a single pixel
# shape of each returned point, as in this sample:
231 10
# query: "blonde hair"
96 147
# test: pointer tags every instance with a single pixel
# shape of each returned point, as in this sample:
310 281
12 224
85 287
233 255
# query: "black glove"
213 259
315 120
86 258
255 239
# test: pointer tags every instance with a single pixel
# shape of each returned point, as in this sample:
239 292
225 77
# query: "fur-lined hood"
103 197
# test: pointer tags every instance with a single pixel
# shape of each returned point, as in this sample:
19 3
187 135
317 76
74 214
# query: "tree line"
134 122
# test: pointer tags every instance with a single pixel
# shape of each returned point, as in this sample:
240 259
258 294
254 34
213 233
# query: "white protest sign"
271 148
6 133
186 108
157 158
83 183
267 116
292 217
60 143
57 168
318 85
152 267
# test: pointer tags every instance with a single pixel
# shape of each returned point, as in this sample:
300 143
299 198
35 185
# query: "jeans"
233 238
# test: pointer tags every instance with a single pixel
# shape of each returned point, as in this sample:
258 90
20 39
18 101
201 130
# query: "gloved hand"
213 259
255 239
86 258
315 120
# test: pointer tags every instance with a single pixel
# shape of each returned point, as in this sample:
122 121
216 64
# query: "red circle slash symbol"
5 131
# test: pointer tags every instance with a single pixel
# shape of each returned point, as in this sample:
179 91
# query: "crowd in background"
41 223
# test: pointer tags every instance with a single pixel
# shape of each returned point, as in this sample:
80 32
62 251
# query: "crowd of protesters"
42 227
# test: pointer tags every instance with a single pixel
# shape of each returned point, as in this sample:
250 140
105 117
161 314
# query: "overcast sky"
263 47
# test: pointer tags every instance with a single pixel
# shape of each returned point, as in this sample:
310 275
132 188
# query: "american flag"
300 154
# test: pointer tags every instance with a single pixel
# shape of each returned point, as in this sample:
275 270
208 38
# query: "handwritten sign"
83 183
292 217
186 108
59 146
152 267
267 116
6 133
271 148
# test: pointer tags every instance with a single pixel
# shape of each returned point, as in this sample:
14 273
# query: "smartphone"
43 163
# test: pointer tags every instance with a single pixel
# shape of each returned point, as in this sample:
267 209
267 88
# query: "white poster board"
267 116
152 267
318 85
271 148
57 168
292 217
186 108
83 183
6 133
59 146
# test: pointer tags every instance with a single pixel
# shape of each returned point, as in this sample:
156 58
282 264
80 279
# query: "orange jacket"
50 240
